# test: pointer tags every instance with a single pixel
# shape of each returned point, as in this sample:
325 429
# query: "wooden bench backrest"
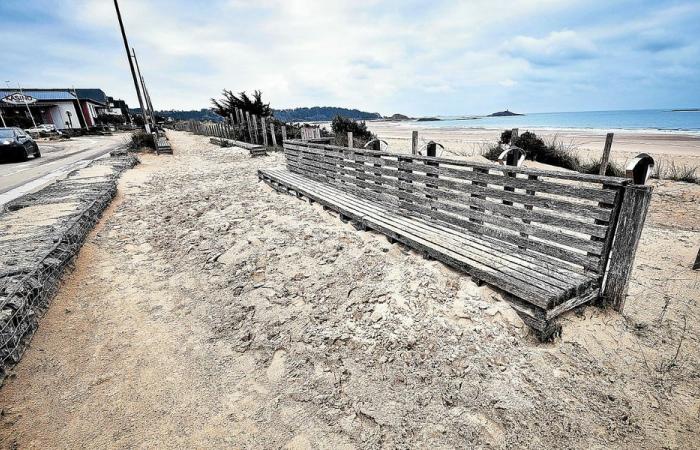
566 217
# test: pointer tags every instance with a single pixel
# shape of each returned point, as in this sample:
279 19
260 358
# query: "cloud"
558 47
389 56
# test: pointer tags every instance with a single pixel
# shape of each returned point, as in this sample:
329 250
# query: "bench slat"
553 174
470 248
578 209
588 261
564 190
475 254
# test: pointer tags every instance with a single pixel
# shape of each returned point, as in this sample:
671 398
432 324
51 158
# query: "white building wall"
59 116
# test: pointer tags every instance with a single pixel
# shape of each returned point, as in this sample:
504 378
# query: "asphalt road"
58 158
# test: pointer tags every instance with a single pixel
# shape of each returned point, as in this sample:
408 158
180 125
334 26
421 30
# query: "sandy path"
208 311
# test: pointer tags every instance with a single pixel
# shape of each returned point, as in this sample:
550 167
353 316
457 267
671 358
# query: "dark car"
15 142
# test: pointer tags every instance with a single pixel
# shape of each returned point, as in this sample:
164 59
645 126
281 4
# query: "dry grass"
676 172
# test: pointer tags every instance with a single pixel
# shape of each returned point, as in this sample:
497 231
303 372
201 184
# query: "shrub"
505 136
140 139
360 134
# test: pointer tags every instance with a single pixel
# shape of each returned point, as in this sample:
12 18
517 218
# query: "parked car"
43 130
15 142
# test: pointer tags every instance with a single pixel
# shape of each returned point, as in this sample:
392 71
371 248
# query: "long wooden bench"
543 237
253 149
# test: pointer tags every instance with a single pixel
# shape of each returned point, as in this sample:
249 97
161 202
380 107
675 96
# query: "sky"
407 56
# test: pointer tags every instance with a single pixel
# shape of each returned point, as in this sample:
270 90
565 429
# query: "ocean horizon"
652 120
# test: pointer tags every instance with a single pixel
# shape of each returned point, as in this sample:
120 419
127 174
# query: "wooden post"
255 128
263 127
350 141
250 127
633 212
606 153
414 143
272 133
284 133
431 150
513 136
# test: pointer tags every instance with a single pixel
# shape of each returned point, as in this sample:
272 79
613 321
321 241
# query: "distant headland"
504 113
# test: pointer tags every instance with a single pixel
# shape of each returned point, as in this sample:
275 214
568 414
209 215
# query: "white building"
60 107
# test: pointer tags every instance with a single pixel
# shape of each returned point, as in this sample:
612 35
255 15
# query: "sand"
206 310
683 149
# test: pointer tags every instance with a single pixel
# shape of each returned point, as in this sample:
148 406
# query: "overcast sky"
406 56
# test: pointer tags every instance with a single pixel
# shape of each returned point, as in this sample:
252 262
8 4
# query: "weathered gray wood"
414 143
255 128
439 246
399 185
630 222
459 243
249 126
483 178
550 186
513 136
552 174
284 133
263 131
589 262
606 153
350 140
543 233
272 133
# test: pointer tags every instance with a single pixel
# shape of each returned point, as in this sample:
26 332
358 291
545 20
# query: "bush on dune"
360 134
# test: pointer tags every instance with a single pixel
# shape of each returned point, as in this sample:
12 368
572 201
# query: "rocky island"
504 113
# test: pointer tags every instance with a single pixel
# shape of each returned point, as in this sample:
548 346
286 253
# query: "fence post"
633 212
606 154
250 127
284 133
414 143
513 136
255 128
264 130
350 142
272 133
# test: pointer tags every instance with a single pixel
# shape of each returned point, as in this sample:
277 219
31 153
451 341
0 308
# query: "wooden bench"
545 238
253 149
163 145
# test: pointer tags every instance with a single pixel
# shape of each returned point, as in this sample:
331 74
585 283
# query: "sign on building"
18 99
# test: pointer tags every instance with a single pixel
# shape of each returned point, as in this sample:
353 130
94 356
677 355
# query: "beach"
681 148
218 313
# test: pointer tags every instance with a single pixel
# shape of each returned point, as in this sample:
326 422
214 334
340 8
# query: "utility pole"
131 66
146 95
27 105
80 108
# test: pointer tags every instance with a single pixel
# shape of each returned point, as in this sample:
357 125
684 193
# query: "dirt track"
208 311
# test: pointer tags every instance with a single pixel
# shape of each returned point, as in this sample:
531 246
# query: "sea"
651 120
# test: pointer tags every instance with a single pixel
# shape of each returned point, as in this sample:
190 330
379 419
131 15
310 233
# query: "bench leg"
546 330
359 225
